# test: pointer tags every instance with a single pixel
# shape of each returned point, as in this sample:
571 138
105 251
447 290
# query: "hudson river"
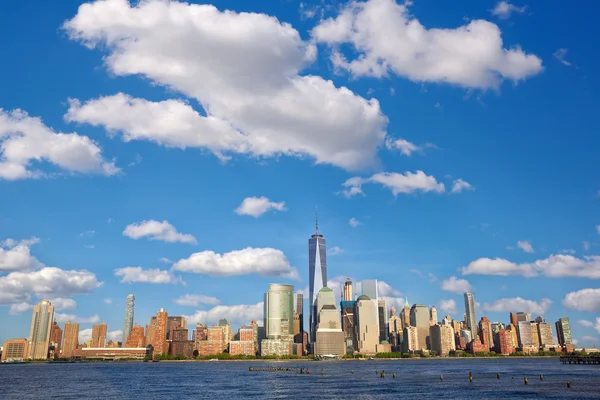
415 379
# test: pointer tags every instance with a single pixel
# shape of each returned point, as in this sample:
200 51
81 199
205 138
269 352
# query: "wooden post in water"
525 380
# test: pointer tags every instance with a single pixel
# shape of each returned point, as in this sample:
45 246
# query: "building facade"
366 325
39 334
129 310
99 335
419 318
71 339
471 318
136 338
56 338
279 323
563 331
442 339
317 275
15 350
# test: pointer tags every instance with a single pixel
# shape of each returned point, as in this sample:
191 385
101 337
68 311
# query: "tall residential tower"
129 304
317 274
471 320
39 335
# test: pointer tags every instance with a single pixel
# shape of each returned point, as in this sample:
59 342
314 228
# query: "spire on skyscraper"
317 220
406 304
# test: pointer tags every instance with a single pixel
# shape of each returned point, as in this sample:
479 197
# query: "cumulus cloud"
115 336
404 146
235 315
461 185
354 222
335 250
16 255
586 245
448 306
62 318
17 287
518 304
155 230
257 206
195 300
140 275
25 140
60 303
456 285
560 55
244 71
19 308
471 56
408 182
583 300
586 323
525 245
555 266
262 261
504 9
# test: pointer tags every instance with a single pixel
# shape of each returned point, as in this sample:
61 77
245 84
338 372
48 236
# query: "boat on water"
327 357
214 359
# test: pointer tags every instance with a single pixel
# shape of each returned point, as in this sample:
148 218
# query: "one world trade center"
317 274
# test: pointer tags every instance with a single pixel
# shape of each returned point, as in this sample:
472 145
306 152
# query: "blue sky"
179 112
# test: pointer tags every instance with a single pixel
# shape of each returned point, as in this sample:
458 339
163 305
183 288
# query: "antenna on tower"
317 219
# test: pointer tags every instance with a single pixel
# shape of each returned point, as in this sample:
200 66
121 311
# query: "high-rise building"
279 322
160 335
486 325
39 334
71 339
442 339
410 342
56 338
366 325
471 319
151 332
405 314
15 350
136 338
524 334
433 317
504 343
521 316
513 335
513 319
99 335
382 315
299 309
317 274
128 324
535 335
330 337
394 329
348 296
545 334
563 331
419 318
370 289
174 322
347 311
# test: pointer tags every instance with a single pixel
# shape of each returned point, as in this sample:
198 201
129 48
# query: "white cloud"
525 245
518 304
16 255
89 233
386 290
586 245
405 147
460 185
586 323
455 285
25 139
62 318
166 260
108 300
504 9
560 55
408 182
85 335
115 336
263 261
17 287
335 250
235 315
195 300
587 341
140 275
155 230
244 71
60 303
448 306
18 308
257 206
555 266
583 300
471 56
354 222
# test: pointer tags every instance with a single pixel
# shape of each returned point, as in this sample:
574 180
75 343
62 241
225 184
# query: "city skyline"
195 188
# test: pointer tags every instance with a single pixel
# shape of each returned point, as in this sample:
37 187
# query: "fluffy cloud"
85 335
518 304
586 323
555 266
140 275
236 315
263 261
335 250
525 245
448 306
461 185
195 300
60 303
257 206
455 285
388 39
62 318
244 71
115 336
560 55
17 287
16 255
354 222
19 308
155 230
25 139
404 146
408 182
504 9
583 300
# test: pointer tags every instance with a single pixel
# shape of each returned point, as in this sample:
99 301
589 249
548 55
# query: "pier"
595 359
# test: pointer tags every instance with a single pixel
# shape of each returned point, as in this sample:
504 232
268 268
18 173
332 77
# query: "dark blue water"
415 379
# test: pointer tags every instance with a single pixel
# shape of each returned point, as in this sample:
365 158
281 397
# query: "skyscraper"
471 320
563 331
99 335
299 309
419 317
330 337
279 320
433 320
161 346
317 274
366 325
70 340
56 338
39 334
129 305
348 290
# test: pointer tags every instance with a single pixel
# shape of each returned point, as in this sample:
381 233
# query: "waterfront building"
71 339
535 335
279 314
241 348
129 311
299 309
481 342
545 334
513 319
151 331
39 334
405 314
15 350
160 344
366 325
419 318
224 324
563 331
259 335
114 353
175 322
485 324
504 343
524 334
136 338
180 345
433 317
410 342
382 314
523 317
347 310
394 328
55 339
330 337
99 335
470 319
348 295
442 339
514 337
317 274
466 334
